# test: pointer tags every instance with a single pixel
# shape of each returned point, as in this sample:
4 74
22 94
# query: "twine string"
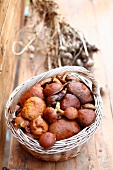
25 48
84 43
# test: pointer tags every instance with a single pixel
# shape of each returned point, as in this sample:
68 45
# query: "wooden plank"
21 159
30 68
4 4
8 29
89 17
105 42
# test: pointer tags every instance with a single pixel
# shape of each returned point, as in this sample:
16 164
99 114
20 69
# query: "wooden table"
95 19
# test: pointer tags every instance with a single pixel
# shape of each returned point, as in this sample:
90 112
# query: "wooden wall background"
11 19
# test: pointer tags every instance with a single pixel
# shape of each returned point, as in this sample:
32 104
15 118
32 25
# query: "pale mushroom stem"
58 110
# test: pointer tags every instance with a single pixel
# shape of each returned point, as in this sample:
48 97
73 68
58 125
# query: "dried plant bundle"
48 31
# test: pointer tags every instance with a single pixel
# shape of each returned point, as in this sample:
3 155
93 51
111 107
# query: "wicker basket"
64 149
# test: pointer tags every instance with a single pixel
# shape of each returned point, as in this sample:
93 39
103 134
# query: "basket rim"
65 144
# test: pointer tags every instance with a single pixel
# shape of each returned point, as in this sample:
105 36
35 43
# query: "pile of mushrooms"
55 109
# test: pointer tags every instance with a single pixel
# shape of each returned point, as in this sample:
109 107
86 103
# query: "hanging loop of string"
25 48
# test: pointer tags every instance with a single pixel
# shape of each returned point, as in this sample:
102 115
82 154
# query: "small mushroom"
47 140
56 80
89 106
70 112
50 115
62 77
86 117
20 122
52 89
33 107
38 126
45 81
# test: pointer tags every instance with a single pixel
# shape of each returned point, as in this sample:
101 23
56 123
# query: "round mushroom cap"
86 117
47 140
71 113
33 107
70 100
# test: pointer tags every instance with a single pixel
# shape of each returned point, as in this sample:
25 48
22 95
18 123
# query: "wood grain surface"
10 13
94 18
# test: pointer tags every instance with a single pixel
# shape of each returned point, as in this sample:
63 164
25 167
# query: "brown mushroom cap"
38 126
71 113
52 89
70 101
36 91
81 91
47 140
50 115
33 107
86 117
64 128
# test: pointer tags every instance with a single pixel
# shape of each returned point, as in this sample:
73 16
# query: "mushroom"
33 107
38 126
51 100
61 78
89 106
47 140
50 115
20 122
81 91
64 128
70 112
56 80
52 89
45 81
35 91
70 101
86 117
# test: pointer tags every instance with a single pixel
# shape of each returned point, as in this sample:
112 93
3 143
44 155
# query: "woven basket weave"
64 149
